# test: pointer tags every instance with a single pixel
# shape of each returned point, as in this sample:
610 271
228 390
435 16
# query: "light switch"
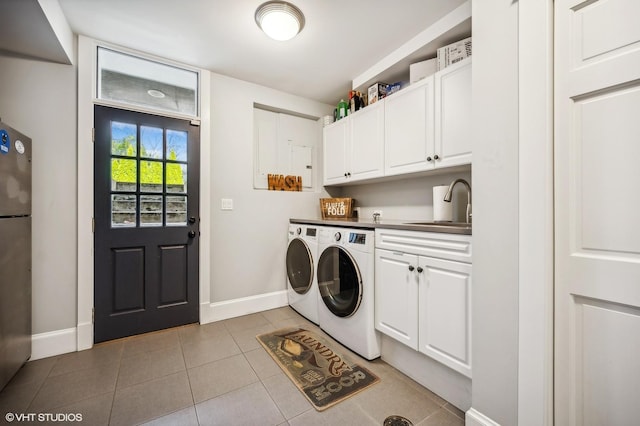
227 204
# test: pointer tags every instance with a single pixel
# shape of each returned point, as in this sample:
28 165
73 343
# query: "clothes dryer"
346 285
302 284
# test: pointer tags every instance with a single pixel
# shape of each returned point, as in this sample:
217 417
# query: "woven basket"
336 207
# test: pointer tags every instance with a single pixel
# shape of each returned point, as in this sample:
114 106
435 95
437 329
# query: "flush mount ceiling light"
279 20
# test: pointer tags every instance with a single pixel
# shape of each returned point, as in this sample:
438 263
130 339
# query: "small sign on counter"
341 208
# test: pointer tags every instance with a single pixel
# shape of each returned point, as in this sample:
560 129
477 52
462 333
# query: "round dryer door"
299 266
339 281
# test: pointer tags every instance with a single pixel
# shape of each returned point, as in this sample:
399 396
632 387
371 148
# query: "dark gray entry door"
146 223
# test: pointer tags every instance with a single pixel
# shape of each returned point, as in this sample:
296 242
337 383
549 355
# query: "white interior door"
597 204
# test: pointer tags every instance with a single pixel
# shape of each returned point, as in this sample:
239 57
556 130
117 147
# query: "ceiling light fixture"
279 20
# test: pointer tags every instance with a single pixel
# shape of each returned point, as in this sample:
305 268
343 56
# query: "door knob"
192 234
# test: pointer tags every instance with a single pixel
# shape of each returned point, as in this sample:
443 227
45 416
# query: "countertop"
407 225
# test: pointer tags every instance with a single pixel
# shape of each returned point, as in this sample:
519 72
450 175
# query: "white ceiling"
341 38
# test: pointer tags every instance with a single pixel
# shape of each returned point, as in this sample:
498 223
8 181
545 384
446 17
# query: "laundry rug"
323 375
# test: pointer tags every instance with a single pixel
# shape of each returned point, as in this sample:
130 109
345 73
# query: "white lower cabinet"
444 312
424 301
396 291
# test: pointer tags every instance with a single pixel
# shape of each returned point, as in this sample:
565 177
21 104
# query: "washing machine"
346 284
302 285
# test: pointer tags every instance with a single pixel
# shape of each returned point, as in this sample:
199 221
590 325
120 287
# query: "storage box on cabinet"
423 293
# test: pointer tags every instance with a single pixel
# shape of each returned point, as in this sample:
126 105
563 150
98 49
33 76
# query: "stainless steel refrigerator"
15 251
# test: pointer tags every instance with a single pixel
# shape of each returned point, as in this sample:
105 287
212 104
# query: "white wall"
39 99
249 242
409 198
495 233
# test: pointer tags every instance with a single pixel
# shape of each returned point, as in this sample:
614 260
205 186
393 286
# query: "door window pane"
150 142
124 174
151 176
123 210
151 210
176 210
148 175
137 81
123 139
176 145
176 178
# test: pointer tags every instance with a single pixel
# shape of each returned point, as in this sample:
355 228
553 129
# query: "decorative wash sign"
284 183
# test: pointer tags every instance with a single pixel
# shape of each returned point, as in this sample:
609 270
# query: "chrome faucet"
447 197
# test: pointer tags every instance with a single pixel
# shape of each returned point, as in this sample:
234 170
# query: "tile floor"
212 374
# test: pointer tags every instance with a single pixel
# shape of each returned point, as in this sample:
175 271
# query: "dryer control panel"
357 238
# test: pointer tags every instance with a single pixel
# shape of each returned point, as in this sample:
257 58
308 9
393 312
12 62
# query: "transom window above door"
132 80
148 176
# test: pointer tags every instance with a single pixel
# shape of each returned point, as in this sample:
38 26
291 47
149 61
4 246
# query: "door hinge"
93 315
195 122
93 225
93 134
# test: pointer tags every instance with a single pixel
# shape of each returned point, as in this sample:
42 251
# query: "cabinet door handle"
345 175
436 157
411 268
428 158
348 174
420 269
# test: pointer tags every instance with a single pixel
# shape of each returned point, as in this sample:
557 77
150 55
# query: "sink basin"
445 224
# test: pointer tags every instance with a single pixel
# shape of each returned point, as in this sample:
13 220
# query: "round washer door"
339 281
299 266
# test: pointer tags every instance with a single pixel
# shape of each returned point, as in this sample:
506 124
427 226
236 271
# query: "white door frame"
87 65
535 321
535 217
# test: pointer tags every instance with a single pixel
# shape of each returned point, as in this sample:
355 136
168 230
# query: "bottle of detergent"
343 107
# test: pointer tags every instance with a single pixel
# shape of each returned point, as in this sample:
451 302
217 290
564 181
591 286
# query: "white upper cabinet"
409 129
453 115
335 149
423 127
367 143
354 147
427 125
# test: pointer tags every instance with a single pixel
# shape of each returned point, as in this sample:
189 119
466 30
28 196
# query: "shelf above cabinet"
395 67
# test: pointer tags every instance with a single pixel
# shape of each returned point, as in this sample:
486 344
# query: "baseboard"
438 378
85 336
476 418
210 312
44 345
